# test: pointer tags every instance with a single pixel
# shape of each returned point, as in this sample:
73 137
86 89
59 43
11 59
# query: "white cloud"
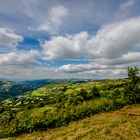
93 70
24 73
117 39
124 6
103 67
105 73
19 58
8 38
60 47
115 47
71 68
111 41
54 19
128 58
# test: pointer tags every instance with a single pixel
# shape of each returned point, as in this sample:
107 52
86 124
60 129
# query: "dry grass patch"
123 124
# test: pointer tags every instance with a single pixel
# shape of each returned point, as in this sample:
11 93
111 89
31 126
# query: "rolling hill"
58 104
122 124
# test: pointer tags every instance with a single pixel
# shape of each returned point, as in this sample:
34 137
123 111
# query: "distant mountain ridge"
9 89
38 83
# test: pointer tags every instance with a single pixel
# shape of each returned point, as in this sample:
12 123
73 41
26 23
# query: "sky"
62 39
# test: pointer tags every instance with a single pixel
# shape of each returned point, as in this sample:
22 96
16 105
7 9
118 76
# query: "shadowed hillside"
9 89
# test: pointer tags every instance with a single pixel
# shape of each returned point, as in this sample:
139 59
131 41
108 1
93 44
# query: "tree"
95 92
132 89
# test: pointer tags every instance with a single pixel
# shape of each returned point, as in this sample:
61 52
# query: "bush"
132 90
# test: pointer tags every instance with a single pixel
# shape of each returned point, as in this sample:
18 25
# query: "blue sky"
68 39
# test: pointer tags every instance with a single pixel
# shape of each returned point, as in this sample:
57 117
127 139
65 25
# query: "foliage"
58 104
114 125
132 89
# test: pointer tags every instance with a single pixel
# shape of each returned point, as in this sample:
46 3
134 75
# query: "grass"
123 124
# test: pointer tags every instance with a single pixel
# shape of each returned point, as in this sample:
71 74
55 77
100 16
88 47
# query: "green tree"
132 90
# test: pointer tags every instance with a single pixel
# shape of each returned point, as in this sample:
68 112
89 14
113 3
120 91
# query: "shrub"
132 90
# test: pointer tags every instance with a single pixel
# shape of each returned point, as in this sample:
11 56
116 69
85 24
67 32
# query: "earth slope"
121 124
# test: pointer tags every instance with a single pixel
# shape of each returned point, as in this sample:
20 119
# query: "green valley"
60 103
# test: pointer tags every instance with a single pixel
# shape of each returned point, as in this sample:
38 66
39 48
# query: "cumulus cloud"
94 70
60 47
111 41
19 58
117 39
114 48
130 57
108 48
8 38
71 68
105 73
103 64
54 19
103 67
36 72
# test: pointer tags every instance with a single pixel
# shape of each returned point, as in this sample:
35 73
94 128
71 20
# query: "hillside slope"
9 89
123 124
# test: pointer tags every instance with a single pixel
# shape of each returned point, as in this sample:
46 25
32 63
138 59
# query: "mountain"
37 83
9 89
34 84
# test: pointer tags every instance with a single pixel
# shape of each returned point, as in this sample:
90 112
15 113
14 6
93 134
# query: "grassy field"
123 124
